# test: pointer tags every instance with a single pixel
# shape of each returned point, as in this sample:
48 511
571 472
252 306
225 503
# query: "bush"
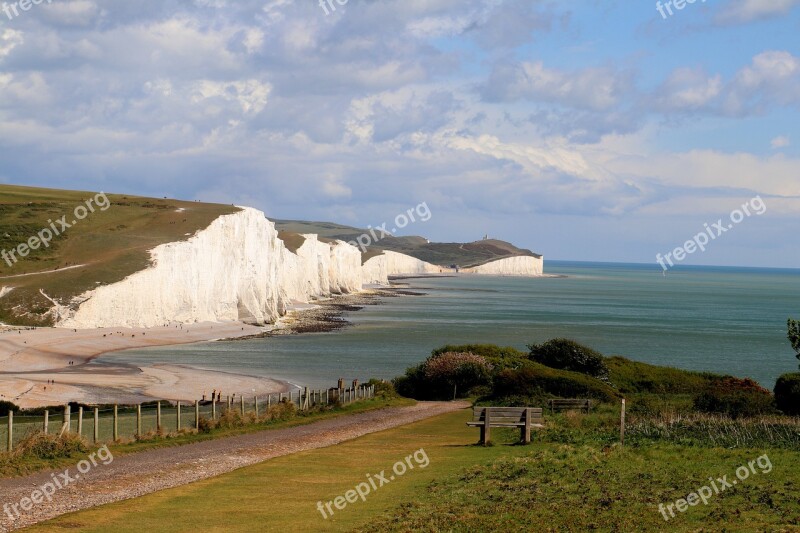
565 354
383 389
5 407
735 397
41 446
499 357
787 394
538 382
445 375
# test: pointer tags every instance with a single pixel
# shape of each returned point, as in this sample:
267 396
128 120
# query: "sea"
718 319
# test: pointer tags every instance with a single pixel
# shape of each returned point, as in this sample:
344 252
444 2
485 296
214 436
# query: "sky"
583 130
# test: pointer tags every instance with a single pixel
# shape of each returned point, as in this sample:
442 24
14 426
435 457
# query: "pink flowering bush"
445 376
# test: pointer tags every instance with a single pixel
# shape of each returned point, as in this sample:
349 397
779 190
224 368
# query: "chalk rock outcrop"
510 266
377 270
236 269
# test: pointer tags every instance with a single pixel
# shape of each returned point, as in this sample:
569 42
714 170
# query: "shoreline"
45 367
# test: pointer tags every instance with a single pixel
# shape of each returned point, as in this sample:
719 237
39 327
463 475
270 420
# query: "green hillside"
464 255
110 244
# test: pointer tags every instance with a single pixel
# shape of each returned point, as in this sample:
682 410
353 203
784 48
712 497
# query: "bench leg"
526 429
485 435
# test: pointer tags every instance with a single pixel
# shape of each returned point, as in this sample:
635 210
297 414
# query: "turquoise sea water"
726 320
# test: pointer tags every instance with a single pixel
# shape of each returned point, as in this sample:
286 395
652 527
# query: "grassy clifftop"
104 247
464 255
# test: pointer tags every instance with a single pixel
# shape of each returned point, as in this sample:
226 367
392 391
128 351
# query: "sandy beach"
48 366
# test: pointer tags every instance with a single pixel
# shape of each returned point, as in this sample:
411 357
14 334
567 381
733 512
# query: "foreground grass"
550 485
20 465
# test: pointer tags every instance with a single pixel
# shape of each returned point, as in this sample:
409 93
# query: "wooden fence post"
116 423
178 415
80 421
96 425
67 418
197 415
269 401
10 445
139 420
158 417
622 424
46 421
305 399
255 405
241 397
213 409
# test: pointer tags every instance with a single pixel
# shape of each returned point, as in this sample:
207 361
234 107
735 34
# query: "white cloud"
743 11
597 88
781 141
9 39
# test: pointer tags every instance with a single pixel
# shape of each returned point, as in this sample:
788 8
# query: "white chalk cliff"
510 266
377 270
238 269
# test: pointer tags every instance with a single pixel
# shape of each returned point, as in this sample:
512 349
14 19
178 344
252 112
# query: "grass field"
556 484
110 244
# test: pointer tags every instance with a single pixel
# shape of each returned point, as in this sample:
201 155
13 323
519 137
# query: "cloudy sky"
584 130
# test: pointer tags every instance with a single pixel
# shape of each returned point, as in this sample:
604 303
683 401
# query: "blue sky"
583 130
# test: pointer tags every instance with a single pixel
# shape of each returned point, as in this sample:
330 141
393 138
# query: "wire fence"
107 424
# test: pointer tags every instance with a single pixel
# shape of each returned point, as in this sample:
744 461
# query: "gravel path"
145 472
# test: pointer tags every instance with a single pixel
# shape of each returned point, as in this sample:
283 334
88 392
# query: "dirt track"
142 473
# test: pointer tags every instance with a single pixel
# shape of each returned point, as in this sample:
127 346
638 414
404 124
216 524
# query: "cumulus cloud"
476 107
743 11
596 88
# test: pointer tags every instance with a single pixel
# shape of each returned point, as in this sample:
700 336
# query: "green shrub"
787 394
537 382
735 397
5 407
445 376
39 445
565 354
383 388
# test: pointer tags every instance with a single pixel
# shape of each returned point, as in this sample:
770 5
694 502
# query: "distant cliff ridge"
239 269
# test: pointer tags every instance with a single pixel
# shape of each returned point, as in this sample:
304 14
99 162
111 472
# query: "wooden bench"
576 404
524 418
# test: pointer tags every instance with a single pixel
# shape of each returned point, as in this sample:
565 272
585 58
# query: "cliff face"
511 266
238 269
377 270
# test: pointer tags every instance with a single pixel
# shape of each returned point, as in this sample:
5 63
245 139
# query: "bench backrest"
507 415
570 403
